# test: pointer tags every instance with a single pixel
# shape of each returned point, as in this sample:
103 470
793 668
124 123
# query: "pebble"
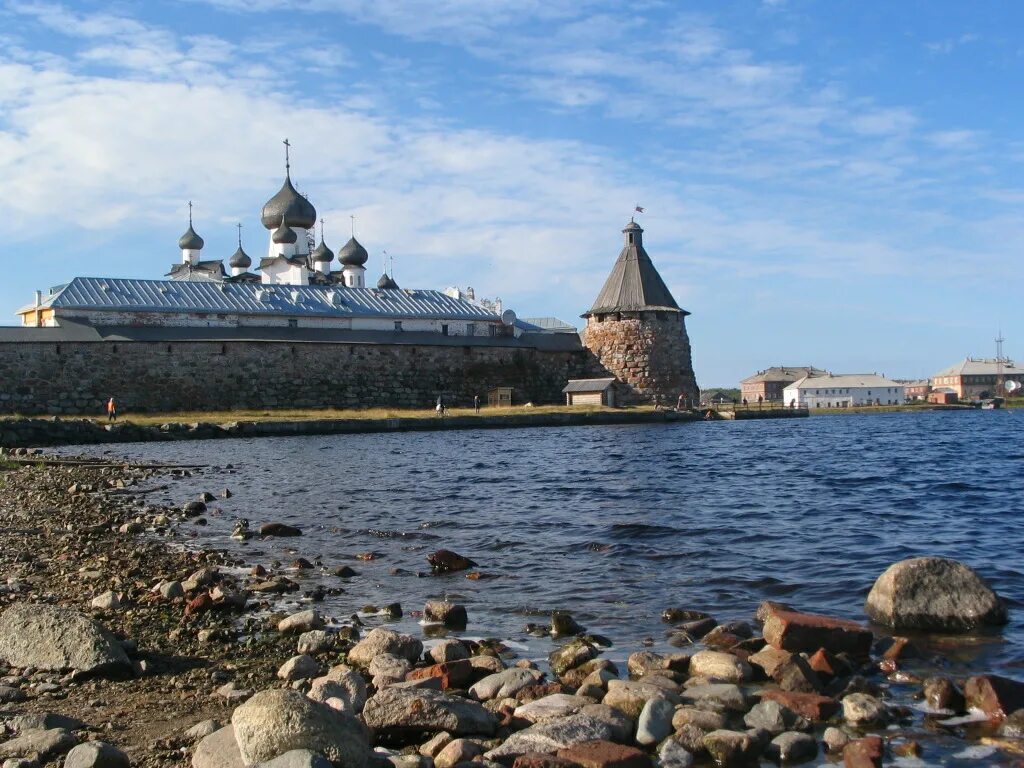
108 601
301 667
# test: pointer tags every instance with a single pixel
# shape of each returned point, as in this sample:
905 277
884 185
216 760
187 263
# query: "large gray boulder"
277 721
420 709
505 683
53 638
45 744
933 593
381 641
96 754
218 750
553 735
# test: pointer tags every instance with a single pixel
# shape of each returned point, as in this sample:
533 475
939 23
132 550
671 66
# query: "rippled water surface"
616 523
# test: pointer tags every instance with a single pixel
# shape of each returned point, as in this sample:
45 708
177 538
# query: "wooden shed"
499 397
590 392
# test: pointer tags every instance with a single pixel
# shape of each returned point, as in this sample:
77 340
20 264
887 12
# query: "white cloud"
951 44
958 139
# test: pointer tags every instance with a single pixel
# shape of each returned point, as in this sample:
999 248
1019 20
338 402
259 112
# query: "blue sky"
826 182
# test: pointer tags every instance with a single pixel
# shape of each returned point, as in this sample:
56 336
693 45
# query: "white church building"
294 286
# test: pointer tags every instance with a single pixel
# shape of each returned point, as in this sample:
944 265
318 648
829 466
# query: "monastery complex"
302 328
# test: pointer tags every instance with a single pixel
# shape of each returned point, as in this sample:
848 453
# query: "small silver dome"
353 254
284 234
190 241
240 259
322 253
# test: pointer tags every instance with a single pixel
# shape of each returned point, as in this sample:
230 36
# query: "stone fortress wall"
75 378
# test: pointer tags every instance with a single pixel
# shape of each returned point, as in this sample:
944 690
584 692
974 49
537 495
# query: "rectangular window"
471 329
398 325
293 323
444 329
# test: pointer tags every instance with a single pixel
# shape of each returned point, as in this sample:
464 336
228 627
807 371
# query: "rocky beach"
125 643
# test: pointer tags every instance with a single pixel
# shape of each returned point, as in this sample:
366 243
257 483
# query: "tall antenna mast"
999 360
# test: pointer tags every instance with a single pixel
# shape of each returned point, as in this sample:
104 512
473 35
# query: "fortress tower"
636 330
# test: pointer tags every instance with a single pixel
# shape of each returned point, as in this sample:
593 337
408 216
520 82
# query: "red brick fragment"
825 664
452 674
864 753
811 705
605 754
807 632
996 696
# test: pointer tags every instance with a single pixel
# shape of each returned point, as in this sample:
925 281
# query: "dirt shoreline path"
71 533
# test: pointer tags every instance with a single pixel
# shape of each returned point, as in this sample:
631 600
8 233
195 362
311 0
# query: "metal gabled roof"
588 385
257 299
975 366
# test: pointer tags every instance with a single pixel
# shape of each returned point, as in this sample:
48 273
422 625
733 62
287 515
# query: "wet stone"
811 705
570 655
860 709
792 747
674 755
864 753
774 718
806 632
994 695
564 625
451 615
835 740
731 749
942 693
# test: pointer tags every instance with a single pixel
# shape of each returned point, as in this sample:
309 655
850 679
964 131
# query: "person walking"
476 403
440 407
111 410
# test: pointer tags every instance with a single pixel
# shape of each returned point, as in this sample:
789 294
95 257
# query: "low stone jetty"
117 649
46 432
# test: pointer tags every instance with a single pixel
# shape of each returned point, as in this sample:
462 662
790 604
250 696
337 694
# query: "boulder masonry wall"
649 352
75 378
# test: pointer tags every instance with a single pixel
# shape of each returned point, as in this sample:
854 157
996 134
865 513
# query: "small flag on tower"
638 209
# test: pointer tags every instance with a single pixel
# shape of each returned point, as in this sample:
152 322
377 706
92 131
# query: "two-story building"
976 378
769 384
844 391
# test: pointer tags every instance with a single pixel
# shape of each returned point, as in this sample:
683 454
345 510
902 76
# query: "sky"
837 183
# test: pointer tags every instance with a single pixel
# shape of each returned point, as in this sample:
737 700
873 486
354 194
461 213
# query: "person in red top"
111 410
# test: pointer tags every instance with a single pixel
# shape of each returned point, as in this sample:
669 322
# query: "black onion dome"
190 241
240 259
322 253
353 254
284 234
387 282
296 210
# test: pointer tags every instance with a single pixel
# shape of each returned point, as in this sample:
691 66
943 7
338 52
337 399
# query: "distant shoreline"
43 432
